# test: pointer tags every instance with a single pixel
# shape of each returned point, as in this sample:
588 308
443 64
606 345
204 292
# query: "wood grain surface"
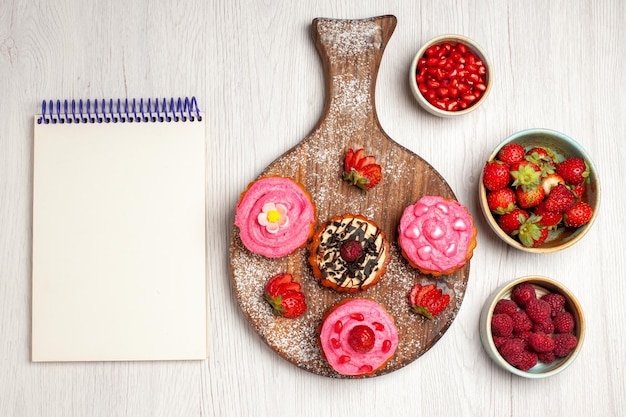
257 75
351 52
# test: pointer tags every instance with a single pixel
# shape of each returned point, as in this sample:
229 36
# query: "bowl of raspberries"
533 327
539 191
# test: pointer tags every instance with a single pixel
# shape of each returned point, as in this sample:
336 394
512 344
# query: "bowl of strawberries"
539 191
533 327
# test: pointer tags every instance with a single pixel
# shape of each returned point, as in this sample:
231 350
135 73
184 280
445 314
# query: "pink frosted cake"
437 235
275 216
358 337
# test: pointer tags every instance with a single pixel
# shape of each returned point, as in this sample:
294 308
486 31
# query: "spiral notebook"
118 262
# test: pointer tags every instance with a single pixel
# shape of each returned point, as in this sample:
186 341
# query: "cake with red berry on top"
358 337
349 253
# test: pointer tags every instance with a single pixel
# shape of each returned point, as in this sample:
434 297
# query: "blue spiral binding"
120 111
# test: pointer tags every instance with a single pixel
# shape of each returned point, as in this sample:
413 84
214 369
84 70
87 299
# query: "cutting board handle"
351 52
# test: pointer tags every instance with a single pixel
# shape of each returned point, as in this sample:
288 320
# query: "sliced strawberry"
365 161
361 170
292 304
290 286
271 288
428 300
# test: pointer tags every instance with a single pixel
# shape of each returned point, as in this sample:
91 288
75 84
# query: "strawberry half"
284 295
428 300
361 170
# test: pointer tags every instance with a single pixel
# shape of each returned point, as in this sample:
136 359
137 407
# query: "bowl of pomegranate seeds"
539 191
450 76
532 326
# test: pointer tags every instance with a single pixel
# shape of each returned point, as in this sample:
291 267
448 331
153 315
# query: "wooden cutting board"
351 51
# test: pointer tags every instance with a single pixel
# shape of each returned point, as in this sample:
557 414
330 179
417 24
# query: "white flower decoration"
273 217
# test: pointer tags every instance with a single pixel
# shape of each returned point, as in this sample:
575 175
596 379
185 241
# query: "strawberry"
550 181
501 201
560 199
526 174
579 215
284 295
428 300
511 222
360 170
542 157
511 153
549 219
574 171
532 234
361 338
529 197
496 175
578 190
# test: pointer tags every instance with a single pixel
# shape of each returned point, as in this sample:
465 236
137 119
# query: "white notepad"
118 266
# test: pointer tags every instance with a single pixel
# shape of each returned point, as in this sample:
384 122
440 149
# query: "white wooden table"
253 67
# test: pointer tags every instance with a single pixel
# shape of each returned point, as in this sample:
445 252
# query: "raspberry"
564 343
501 325
521 321
523 292
505 306
564 322
499 340
541 342
556 301
523 336
512 351
527 361
351 250
538 310
545 326
546 357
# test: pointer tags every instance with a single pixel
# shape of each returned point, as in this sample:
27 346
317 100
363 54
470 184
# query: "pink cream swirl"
275 216
339 349
437 234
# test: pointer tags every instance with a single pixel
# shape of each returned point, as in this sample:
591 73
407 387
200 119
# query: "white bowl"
452 39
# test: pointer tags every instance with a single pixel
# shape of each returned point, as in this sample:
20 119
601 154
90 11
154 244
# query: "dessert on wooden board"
358 337
349 253
437 235
382 178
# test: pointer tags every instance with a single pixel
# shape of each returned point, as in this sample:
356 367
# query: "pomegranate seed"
357 316
442 92
378 326
452 105
430 95
480 87
344 359
461 48
432 84
386 346
423 88
335 343
366 369
468 98
338 326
